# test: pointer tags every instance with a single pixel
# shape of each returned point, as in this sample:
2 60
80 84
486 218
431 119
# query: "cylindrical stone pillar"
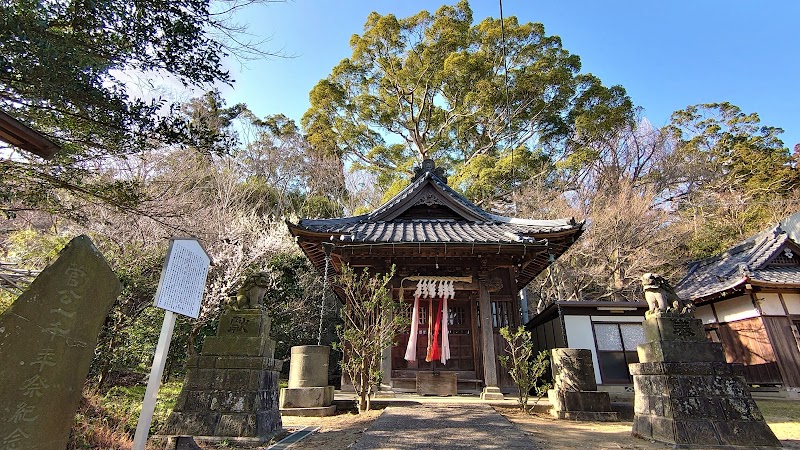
309 366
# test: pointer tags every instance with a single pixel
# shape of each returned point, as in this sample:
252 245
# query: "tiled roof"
785 275
742 263
429 177
428 211
474 226
437 230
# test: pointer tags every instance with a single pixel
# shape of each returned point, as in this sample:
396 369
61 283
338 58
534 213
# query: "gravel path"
443 427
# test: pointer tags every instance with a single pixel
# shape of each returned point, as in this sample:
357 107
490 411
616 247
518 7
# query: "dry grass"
336 432
783 418
97 428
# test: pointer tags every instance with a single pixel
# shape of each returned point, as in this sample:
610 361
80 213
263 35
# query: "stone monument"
574 395
308 393
686 394
231 389
47 341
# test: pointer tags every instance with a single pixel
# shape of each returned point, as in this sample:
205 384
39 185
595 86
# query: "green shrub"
525 368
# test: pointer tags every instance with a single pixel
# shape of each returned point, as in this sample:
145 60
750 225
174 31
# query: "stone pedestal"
687 395
308 393
231 389
437 383
574 395
492 393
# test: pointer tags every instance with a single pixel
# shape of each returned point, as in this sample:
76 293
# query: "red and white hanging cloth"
438 320
446 290
411 349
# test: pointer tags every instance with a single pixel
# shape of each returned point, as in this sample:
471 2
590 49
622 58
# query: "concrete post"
386 381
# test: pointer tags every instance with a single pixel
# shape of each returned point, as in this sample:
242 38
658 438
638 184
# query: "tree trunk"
191 339
107 358
618 282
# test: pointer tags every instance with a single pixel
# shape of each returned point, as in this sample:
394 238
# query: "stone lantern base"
688 396
574 395
308 393
231 389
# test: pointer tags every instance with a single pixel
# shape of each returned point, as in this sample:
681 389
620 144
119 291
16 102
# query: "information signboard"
180 291
183 278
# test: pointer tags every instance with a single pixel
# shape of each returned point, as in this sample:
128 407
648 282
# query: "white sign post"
180 290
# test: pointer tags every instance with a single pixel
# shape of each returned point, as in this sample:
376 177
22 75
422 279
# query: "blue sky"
667 54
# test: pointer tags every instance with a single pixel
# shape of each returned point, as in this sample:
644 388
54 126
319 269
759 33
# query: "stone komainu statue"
251 294
662 299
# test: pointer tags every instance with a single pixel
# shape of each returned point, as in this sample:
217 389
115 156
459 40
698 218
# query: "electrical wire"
505 78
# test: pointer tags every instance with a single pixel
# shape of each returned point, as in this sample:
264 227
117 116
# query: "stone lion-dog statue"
252 293
662 299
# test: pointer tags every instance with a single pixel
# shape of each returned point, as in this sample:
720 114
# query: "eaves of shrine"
428 229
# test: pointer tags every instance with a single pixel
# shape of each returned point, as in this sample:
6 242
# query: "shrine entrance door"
462 338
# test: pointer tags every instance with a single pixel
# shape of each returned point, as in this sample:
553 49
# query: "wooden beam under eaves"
22 136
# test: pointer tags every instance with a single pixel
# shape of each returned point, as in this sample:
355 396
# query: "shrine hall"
450 257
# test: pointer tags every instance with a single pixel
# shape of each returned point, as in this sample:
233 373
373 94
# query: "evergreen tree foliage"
65 69
434 85
735 174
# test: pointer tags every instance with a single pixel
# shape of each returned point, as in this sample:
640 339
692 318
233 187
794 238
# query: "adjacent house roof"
770 258
20 135
429 212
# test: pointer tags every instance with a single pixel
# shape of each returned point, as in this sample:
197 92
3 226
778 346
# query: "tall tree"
617 185
436 86
736 174
280 166
64 66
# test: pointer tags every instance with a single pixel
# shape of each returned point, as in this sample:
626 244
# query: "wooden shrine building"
749 300
430 230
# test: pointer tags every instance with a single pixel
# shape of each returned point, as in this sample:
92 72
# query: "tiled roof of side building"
744 262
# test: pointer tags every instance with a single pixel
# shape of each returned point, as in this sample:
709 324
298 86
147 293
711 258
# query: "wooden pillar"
385 388
490 391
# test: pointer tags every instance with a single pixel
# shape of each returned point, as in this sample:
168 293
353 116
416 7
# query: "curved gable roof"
429 212
468 224
430 189
745 262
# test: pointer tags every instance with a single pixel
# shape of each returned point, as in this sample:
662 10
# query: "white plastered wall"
580 335
792 302
770 304
706 314
736 308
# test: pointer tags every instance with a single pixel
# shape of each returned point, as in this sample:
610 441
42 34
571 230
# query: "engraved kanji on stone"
23 413
14 440
34 386
238 324
54 329
68 296
45 358
682 328
76 343
74 276
67 314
